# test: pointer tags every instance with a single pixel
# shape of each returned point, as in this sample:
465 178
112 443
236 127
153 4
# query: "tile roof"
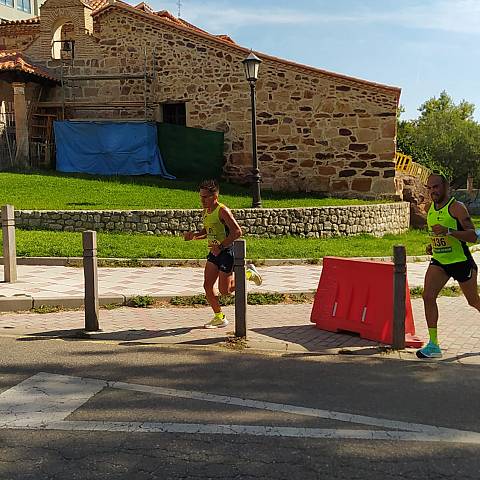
96 4
11 60
26 21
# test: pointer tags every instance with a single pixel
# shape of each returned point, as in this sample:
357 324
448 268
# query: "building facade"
317 130
19 9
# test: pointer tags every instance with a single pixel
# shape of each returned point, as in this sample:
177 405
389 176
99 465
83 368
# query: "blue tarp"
108 148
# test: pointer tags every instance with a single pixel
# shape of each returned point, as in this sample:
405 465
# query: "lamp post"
252 65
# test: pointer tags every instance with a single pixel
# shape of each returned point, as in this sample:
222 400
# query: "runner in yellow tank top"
450 228
220 229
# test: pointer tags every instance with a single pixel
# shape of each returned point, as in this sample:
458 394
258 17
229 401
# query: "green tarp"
191 153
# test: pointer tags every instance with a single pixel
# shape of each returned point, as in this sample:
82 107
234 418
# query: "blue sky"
422 46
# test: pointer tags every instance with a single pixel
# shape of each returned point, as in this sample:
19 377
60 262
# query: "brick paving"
284 328
59 282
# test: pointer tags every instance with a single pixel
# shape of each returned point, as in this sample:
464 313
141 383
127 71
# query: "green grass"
449 291
81 192
252 299
38 243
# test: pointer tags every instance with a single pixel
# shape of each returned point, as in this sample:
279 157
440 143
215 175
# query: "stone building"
19 9
317 130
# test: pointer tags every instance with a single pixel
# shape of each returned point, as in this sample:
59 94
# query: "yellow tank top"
445 248
216 230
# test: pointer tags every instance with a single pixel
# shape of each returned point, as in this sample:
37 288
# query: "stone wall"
470 199
317 222
317 131
18 36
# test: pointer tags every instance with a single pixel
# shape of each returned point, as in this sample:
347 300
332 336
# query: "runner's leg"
470 290
226 282
210 277
435 280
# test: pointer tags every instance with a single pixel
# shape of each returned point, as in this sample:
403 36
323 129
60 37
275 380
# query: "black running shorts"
224 260
460 271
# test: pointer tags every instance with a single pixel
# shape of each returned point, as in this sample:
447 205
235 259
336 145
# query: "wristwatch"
448 231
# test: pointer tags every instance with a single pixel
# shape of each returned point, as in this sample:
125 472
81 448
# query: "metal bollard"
90 273
239 250
399 295
9 244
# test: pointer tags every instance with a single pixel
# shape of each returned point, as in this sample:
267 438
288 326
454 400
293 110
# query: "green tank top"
445 248
216 230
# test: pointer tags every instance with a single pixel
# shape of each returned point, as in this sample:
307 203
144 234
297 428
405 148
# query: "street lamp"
252 65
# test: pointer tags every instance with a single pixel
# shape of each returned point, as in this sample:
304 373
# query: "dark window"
175 113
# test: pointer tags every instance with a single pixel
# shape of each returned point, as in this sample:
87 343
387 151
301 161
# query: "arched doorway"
63 29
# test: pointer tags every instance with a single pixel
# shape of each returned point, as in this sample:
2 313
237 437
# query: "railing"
406 165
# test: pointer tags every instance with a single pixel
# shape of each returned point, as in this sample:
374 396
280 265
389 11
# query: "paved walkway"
283 328
45 282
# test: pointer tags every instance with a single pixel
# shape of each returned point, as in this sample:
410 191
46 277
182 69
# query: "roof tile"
11 60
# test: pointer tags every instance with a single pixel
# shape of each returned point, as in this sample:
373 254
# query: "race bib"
440 244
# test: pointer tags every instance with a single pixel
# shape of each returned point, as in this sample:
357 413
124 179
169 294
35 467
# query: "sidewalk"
280 328
284 328
47 285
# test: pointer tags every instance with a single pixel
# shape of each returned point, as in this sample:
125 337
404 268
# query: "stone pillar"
21 126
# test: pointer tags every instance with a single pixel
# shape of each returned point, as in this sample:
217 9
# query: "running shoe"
253 275
430 350
218 321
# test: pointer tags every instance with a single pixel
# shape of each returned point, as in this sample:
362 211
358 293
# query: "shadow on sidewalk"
314 339
117 335
455 358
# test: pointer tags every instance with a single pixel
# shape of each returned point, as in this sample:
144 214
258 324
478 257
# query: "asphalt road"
150 412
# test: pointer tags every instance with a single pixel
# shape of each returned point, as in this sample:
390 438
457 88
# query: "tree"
445 136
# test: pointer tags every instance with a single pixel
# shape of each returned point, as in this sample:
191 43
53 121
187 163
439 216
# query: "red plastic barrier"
357 296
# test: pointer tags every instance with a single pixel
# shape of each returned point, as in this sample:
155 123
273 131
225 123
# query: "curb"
27 302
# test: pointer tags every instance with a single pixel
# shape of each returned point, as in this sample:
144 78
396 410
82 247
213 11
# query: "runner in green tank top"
220 229
450 228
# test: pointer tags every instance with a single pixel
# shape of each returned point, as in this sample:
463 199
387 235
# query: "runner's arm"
460 212
234 228
195 235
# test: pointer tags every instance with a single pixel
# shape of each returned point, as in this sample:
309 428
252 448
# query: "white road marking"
45 400
289 409
261 430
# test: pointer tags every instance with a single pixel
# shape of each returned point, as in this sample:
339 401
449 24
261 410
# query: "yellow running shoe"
253 275
219 320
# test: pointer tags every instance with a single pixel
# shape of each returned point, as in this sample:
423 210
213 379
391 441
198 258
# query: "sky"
422 46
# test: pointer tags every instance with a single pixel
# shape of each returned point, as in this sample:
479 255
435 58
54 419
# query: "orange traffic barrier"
357 296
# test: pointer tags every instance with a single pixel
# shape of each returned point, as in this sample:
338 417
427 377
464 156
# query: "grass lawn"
55 191
68 244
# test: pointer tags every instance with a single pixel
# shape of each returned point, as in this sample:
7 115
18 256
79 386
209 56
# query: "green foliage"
265 298
448 291
252 299
193 300
445 136
141 301
47 309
